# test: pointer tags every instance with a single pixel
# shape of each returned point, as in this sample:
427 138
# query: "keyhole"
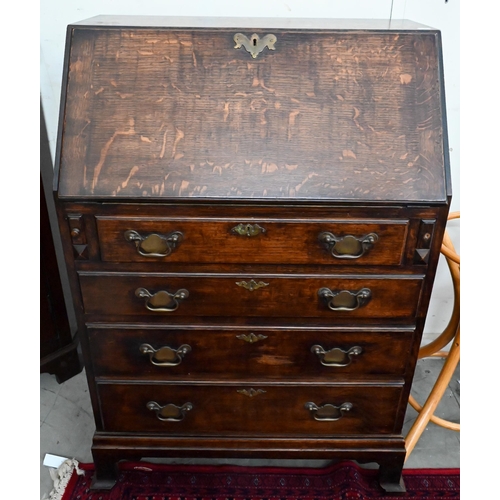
254 42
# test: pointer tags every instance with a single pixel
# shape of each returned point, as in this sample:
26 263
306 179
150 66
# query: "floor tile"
67 425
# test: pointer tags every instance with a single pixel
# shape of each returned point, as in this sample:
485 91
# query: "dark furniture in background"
58 343
252 213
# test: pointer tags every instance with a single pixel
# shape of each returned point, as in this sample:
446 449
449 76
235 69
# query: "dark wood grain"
278 410
213 240
182 114
223 354
284 296
109 448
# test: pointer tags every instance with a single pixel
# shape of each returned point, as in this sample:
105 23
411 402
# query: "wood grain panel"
224 354
220 295
214 241
278 410
176 114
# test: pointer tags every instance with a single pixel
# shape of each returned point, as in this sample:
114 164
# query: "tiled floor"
67 425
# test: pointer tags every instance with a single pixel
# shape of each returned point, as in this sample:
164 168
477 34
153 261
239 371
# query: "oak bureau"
252 212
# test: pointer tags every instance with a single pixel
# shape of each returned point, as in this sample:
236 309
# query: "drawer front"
266 241
235 409
286 296
169 354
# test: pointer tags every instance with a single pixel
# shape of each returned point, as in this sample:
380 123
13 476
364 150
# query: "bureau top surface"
310 110
249 22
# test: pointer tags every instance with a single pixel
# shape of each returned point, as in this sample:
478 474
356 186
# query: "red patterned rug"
343 481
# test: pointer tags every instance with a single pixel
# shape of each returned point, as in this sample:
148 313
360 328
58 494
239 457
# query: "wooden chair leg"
451 329
435 396
452 426
450 334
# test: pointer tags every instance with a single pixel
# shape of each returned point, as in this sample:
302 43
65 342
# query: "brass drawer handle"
248 230
347 247
345 300
328 412
336 356
155 245
162 301
170 412
255 45
165 356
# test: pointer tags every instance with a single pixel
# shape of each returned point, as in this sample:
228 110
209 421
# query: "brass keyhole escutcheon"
255 45
252 285
248 230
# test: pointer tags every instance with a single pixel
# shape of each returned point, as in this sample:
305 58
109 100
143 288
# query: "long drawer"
286 296
266 241
241 409
224 354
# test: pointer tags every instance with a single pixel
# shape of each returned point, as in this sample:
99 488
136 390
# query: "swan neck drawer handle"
162 301
169 412
328 412
165 356
153 244
345 300
347 247
336 356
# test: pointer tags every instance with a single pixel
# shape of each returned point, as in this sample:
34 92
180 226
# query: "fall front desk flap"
253 114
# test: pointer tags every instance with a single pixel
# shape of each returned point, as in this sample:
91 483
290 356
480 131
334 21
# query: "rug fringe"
61 477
